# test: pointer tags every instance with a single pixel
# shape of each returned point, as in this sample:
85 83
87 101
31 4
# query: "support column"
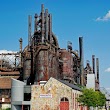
42 22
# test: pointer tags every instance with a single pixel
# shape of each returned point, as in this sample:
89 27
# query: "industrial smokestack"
47 20
42 22
81 60
50 28
20 41
35 23
29 29
97 66
93 63
20 51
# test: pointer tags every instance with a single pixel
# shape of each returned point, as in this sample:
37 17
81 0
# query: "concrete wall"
91 81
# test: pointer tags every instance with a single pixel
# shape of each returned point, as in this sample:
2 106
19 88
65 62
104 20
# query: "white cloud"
104 18
107 70
7 51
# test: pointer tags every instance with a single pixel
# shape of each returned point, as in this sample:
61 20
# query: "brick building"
5 84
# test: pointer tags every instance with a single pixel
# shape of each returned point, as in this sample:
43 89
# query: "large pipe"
20 51
55 38
29 30
46 30
42 22
97 65
50 28
32 74
81 60
20 41
35 23
93 63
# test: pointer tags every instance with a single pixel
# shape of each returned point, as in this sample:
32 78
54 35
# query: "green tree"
89 98
101 99
8 109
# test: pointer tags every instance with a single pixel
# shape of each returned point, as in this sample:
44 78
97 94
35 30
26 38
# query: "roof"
70 85
10 73
5 82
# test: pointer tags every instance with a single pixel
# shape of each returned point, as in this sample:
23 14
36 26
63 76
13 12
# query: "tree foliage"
8 109
89 98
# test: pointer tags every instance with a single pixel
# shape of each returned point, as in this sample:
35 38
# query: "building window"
64 99
26 107
27 96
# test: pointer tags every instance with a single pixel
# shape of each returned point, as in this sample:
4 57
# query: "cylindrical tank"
26 63
46 65
27 69
17 93
42 66
53 68
67 59
17 90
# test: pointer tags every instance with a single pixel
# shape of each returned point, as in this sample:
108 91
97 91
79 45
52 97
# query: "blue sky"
71 19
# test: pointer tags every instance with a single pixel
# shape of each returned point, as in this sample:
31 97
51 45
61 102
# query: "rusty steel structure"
42 58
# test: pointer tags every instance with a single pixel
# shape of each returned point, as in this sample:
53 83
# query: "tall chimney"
20 51
35 23
29 30
47 20
93 63
42 22
81 60
97 65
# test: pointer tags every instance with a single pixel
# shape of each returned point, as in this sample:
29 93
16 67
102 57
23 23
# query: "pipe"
97 65
56 41
35 23
93 63
20 41
81 60
20 51
46 30
42 22
32 74
29 30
